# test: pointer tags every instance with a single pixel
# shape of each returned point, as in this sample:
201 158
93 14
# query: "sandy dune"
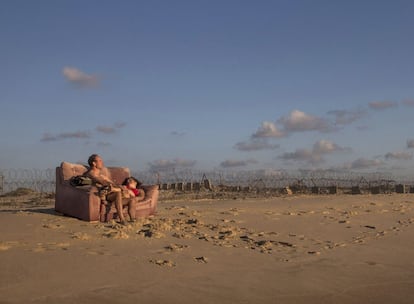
301 249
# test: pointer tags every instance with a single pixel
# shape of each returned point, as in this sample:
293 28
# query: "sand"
293 249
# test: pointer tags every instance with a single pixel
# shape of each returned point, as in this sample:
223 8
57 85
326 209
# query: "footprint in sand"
156 228
184 214
264 246
314 252
298 236
358 240
195 213
181 235
117 234
175 247
41 247
4 247
290 213
148 233
179 208
63 246
229 221
81 236
201 259
52 226
232 211
167 263
7 245
96 253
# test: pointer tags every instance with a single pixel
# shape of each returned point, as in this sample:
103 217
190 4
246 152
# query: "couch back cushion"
119 174
69 170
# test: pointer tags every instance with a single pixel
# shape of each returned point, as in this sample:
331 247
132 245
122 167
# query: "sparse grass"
19 192
26 197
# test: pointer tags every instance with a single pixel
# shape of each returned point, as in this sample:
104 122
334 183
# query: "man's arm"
99 179
103 180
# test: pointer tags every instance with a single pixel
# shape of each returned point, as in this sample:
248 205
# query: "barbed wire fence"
301 181
43 180
40 180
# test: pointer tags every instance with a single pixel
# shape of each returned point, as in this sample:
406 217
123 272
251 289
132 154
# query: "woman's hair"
91 159
129 179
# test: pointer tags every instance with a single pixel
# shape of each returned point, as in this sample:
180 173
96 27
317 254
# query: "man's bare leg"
116 197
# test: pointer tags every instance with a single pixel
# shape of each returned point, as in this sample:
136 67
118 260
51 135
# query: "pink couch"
84 203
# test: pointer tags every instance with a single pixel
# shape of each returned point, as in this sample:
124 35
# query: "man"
100 175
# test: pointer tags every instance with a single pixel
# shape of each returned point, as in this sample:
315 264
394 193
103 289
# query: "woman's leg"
131 208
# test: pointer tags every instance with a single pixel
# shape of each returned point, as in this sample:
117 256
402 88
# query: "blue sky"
205 85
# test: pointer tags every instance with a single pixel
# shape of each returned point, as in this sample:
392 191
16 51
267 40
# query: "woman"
131 184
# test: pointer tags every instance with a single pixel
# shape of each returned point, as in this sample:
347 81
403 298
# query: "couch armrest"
151 192
79 202
148 206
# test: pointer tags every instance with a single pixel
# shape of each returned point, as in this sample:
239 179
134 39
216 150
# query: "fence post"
1 184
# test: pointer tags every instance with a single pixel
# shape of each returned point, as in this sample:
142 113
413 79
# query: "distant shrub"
19 192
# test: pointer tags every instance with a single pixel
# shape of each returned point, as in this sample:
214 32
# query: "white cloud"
326 146
303 155
268 129
110 129
236 163
408 102
382 105
105 129
299 121
177 134
79 78
362 128
65 135
103 144
164 164
345 117
363 163
255 145
410 143
314 155
398 155
81 134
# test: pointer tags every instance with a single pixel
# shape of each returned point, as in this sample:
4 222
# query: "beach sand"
293 249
